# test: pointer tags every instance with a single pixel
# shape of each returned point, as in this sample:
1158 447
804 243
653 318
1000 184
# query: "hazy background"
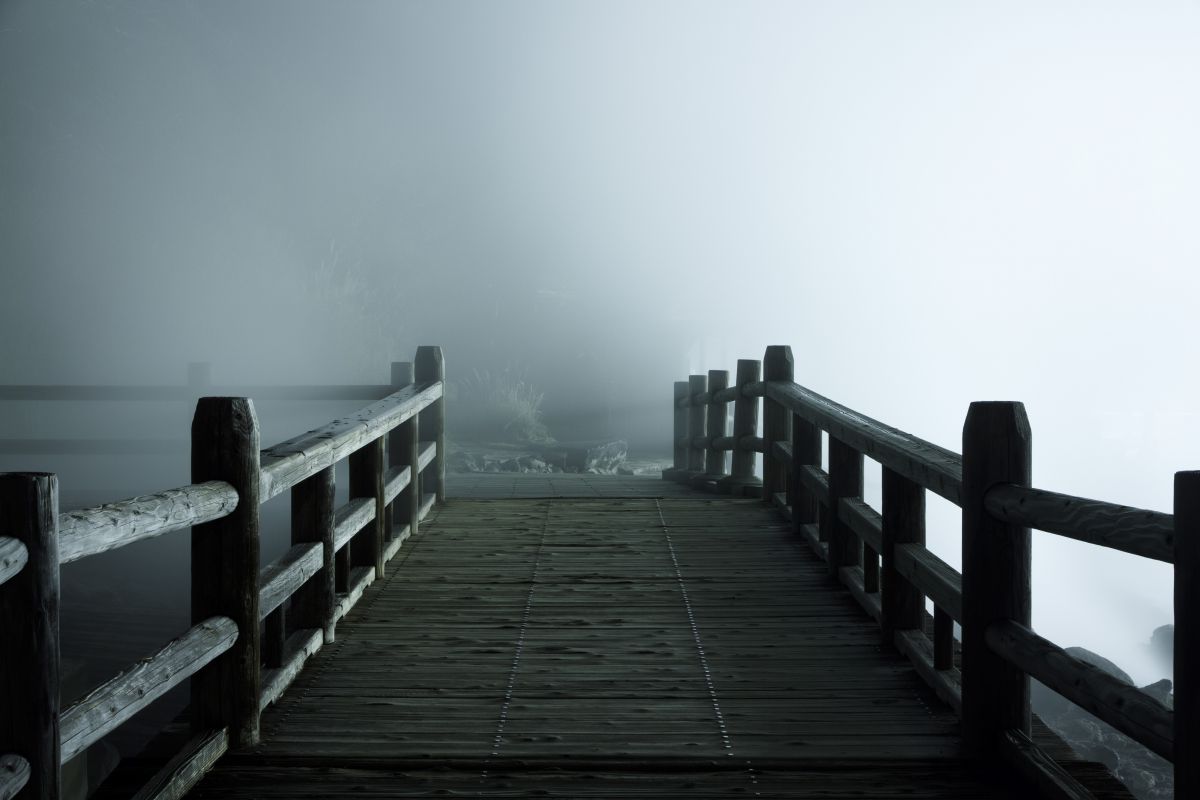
931 202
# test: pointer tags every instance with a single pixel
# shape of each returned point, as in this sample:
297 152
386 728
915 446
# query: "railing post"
1187 634
366 480
678 470
777 422
312 521
845 480
718 423
996 573
903 605
402 375
806 451
29 659
225 447
695 465
429 366
741 478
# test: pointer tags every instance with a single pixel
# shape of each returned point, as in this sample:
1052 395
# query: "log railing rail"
881 557
241 651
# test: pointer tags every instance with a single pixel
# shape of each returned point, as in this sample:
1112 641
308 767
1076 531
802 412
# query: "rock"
602 458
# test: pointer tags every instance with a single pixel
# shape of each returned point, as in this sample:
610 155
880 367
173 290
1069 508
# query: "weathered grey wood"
186 768
1132 530
402 375
812 535
902 531
29 659
752 444
754 388
14 774
727 395
845 480
366 481
935 468
947 684
281 578
287 463
816 481
806 457
724 443
13 557
865 521
350 518
1039 770
401 536
943 638
395 481
930 577
427 503
313 522
427 453
225 554
718 423
852 578
1187 634
430 366
274 633
1125 707
996 574
679 441
781 451
745 424
118 699
696 422
777 420
404 454
295 651
89 531
360 578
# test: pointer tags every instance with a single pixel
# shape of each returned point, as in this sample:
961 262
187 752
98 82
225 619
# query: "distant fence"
880 556
242 652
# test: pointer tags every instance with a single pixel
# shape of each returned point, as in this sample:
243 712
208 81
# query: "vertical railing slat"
312 521
718 423
1187 634
845 480
741 478
903 515
430 366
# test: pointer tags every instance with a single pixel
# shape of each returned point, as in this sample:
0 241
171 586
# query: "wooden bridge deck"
540 638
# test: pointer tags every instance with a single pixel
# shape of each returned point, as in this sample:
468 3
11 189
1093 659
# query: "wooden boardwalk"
541 638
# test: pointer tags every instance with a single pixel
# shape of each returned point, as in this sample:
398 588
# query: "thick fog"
931 202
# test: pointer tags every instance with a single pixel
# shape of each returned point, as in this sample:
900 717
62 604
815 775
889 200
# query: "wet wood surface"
661 643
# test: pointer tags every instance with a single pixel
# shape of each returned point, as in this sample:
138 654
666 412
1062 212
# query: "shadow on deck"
588 636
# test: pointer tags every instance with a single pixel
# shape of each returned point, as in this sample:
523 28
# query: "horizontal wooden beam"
865 521
754 444
283 576
89 531
1131 530
428 452
427 503
852 579
116 700
287 463
395 481
13 557
946 683
14 774
816 481
781 451
350 518
724 443
185 769
727 395
393 546
1125 707
812 534
931 466
360 579
76 393
296 650
936 579
779 499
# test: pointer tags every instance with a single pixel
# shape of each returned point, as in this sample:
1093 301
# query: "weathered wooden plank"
852 578
1187 633
717 425
29 659
946 683
1125 707
429 365
752 444
287 463
367 473
426 455
1150 534
1039 770
427 503
934 467
186 768
396 481
360 578
89 531
14 774
816 481
350 518
696 423
118 699
13 556
932 577
313 521
778 365
845 480
866 522
394 545
781 451
283 576
296 650
726 395
745 424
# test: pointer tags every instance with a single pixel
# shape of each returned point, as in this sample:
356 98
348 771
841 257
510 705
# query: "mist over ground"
931 202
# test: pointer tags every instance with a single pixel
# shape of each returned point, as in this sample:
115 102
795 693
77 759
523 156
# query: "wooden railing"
880 556
241 652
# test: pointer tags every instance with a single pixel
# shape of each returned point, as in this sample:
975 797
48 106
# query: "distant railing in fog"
991 599
242 652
